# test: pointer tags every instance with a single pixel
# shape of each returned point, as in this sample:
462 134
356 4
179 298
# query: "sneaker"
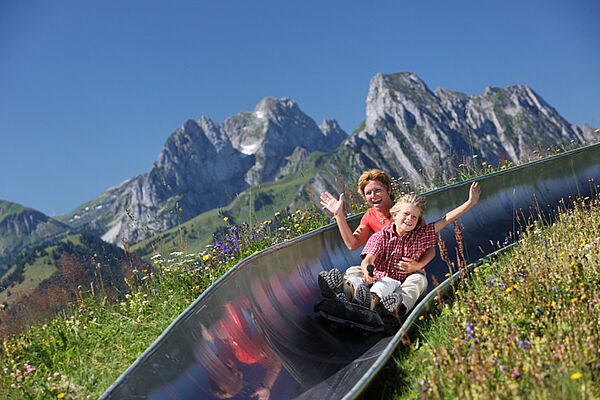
393 304
331 283
362 296
341 297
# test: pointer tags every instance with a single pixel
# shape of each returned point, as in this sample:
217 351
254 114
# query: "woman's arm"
451 216
408 265
352 240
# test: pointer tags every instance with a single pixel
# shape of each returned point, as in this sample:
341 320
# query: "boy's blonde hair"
374 175
417 201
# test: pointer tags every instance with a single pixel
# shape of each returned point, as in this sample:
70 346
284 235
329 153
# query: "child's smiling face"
407 218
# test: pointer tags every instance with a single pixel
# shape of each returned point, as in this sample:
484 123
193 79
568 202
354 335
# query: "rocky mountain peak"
273 108
204 165
273 132
334 134
413 132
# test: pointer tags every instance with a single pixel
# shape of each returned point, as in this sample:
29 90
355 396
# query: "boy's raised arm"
451 216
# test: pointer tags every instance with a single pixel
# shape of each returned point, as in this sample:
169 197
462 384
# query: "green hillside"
23 228
44 279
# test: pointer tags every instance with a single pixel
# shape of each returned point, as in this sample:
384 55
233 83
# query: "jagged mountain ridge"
204 165
408 127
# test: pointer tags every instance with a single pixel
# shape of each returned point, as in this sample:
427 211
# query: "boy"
394 252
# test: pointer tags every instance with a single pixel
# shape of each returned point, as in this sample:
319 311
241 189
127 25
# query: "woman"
376 189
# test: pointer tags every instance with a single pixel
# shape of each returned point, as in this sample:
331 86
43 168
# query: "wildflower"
206 257
60 395
225 219
277 213
516 374
576 375
421 318
448 274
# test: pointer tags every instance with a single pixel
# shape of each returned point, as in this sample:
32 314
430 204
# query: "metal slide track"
257 323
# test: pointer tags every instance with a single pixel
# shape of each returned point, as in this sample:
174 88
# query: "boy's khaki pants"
411 289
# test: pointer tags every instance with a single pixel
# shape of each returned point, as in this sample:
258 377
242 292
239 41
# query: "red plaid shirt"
389 248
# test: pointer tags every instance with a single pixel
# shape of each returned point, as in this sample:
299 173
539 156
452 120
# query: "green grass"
522 326
83 350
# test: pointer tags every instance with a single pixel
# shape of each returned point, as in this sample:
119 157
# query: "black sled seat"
351 315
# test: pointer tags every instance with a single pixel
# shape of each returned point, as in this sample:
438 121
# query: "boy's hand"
474 192
369 280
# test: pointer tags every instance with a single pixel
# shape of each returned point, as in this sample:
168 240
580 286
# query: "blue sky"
90 90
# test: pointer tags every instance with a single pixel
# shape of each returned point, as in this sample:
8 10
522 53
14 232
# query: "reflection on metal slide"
255 329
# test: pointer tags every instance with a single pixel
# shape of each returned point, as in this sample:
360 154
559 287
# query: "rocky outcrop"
421 135
204 165
273 132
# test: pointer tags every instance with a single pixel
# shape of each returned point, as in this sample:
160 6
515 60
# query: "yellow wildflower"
576 375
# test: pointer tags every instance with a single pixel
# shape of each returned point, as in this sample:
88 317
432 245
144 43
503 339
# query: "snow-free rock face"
204 165
420 135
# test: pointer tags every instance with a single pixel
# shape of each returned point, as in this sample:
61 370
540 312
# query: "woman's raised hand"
474 192
335 206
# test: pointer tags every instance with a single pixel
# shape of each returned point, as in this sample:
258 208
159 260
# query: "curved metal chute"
255 328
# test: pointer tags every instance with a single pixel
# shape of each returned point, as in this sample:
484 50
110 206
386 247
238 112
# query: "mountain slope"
22 228
420 135
204 166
